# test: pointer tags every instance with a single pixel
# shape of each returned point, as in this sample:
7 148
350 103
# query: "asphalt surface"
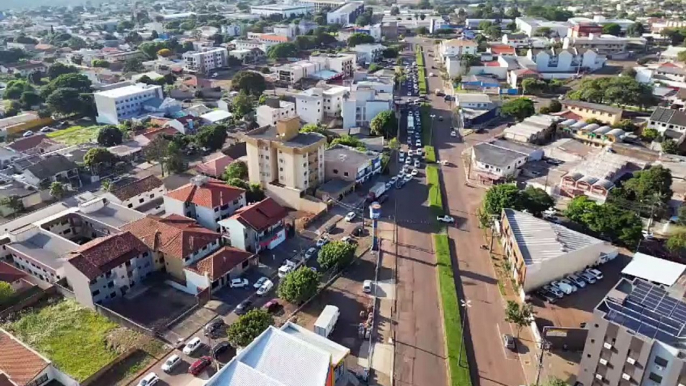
490 363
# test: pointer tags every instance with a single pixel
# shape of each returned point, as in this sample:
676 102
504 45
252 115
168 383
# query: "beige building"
282 156
586 110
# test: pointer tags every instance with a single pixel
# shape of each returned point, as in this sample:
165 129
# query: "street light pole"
544 346
465 304
431 130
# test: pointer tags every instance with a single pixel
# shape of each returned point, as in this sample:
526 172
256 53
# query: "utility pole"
544 346
465 305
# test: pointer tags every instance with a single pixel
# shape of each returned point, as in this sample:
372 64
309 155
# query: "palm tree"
13 203
57 190
106 185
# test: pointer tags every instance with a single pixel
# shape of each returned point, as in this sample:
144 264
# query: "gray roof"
300 140
50 166
672 117
334 186
593 106
348 155
541 240
114 215
46 248
496 156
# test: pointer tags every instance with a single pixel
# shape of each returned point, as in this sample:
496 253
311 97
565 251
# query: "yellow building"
604 113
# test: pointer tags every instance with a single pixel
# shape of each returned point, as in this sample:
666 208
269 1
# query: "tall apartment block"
637 337
206 60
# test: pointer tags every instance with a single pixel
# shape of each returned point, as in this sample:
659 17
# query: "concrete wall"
291 198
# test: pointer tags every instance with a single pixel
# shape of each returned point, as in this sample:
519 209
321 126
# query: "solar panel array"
650 311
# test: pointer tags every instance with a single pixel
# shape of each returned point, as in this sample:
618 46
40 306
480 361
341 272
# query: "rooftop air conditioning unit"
631 360
599 377
603 361
607 346
626 376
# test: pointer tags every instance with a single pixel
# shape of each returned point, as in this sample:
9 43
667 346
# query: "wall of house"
143 198
35 268
80 285
195 282
597 114
173 206
237 234
309 109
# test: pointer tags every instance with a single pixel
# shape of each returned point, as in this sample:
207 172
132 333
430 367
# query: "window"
110 284
335 171
661 361
655 378
95 293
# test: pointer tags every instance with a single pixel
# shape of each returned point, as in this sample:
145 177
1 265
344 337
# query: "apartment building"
368 53
256 227
273 111
363 104
636 338
216 270
555 60
176 241
608 45
206 60
602 21
285 10
313 104
281 155
604 113
531 26
125 102
580 30
292 73
457 47
345 14
248 44
144 195
321 4
108 267
348 164
206 200
341 63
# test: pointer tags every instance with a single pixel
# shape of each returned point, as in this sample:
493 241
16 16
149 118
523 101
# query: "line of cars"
412 82
568 285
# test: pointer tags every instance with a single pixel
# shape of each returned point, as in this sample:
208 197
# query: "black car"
545 296
220 348
213 326
244 307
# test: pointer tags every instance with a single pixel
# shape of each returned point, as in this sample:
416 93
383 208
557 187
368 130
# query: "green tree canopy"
637 29
502 196
248 327
282 51
608 220
299 285
211 136
252 83
519 108
58 69
16 88
617 90
670 146
79 82
519 315
335 255
133 65
348 140
98 157
650 134
359 38
385 124
236 170
57 190
612 29
241 105
110 136
6 292
64 101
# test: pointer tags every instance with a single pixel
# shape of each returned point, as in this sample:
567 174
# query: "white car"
414 172
410 153
149 380
417 163
192 346
443 162
27 134
408 178
170 363
453 134
648 235
401 158
322 242
239 283
310 252
445 219
350 216
260 281
393 180
419 152
266 287
408 160
346 239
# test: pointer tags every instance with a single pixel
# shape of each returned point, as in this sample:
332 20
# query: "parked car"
348 239
322 242
587 277
243 307
192 346
569 283
446 219
350 216
367 286
27 133
310 253
260 281
565 288
220 348
597 274
171 363
198 366
239 283
509 342
559 294
545 296
453 134
213 325
149 380
266 287
576 280
271 306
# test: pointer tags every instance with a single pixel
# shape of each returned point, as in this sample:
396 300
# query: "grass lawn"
435 199
430 154
459 374
76 135
79 341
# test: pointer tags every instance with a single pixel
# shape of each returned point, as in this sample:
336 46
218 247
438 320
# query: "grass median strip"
435 199
430 154
459 375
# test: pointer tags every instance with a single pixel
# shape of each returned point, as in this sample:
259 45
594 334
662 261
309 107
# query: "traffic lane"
419 344
179 376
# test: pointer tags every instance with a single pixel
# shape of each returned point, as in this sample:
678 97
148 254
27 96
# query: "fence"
95 377
30 297
120 319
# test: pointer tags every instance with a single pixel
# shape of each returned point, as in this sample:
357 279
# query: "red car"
198 366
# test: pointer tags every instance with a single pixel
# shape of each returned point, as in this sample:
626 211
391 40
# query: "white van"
566 288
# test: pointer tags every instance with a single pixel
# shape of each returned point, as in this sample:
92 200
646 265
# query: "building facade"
313 104
206 60
285 10
256 227
345 14
274 110
123 103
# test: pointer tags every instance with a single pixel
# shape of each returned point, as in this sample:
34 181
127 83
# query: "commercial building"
363 104
349 164
256 227
285 10
535 129
206 200
346 13
660 272
531 26
473 101
601 21
124 103
636 338
313 104
274 110
286 356
498 159
292 73
596 176
586 110
321 4
541 251
611 46
281 155
205 60
341 63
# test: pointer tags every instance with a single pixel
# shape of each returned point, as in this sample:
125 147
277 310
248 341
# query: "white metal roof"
654 269
216 115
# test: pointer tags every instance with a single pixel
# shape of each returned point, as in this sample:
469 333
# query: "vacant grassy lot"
76 135
459 372
79 341
435 199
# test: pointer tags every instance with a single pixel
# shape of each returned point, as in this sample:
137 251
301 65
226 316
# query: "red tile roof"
210 194
137 187
221 262
669 64
17 361
569 115
261 215
153 133
500 49
9 274
494 63
104 253
175 236
215 167
274 38
525 71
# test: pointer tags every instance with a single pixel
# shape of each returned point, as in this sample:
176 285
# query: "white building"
608 45
498 159
624 24
145 193
342 63
313 104
566 60
292 73
663 119
458 47
206 200
368 53
531 25
274 110
124 103
473 101
541 251
285 10
231 29
321 4
363 104
287 30
256 227
205 60
345 14
243 44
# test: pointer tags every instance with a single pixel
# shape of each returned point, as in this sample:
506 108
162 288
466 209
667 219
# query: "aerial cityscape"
342 193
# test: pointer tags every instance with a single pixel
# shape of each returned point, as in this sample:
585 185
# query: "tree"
484 24
612 29
133 38
335 255
13 203
626 124
248 327
6 292
555 106
519 108
669 146
385 124
255 193
390 53
494 32
165 53
646 184
100 63
252 83
422 31
299 285
57 190
29 99
124 26
97 158
394 144
618 90
536 200
241 105
348 140
211 137
533 86
282 51
79 82
502 196
395 10
133 65
676 243
373 68
110 136
64 101
365 18
543 32
650 134
58 69
520 316
106 185
13 109
237 169
637 29
15 89
359 38
608 220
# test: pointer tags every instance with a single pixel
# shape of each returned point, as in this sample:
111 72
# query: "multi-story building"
580 30
602 21
313 104
458 47
663 119
231 29
323 4
342 63
363 104
273 111
249 44
636 338
586 110
348 164
368 53
566 60
206 200
608 45
144 195
292 73
285 10
287 30
108 267
256 227
281 155
205 60
123 103
531 26
346 13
